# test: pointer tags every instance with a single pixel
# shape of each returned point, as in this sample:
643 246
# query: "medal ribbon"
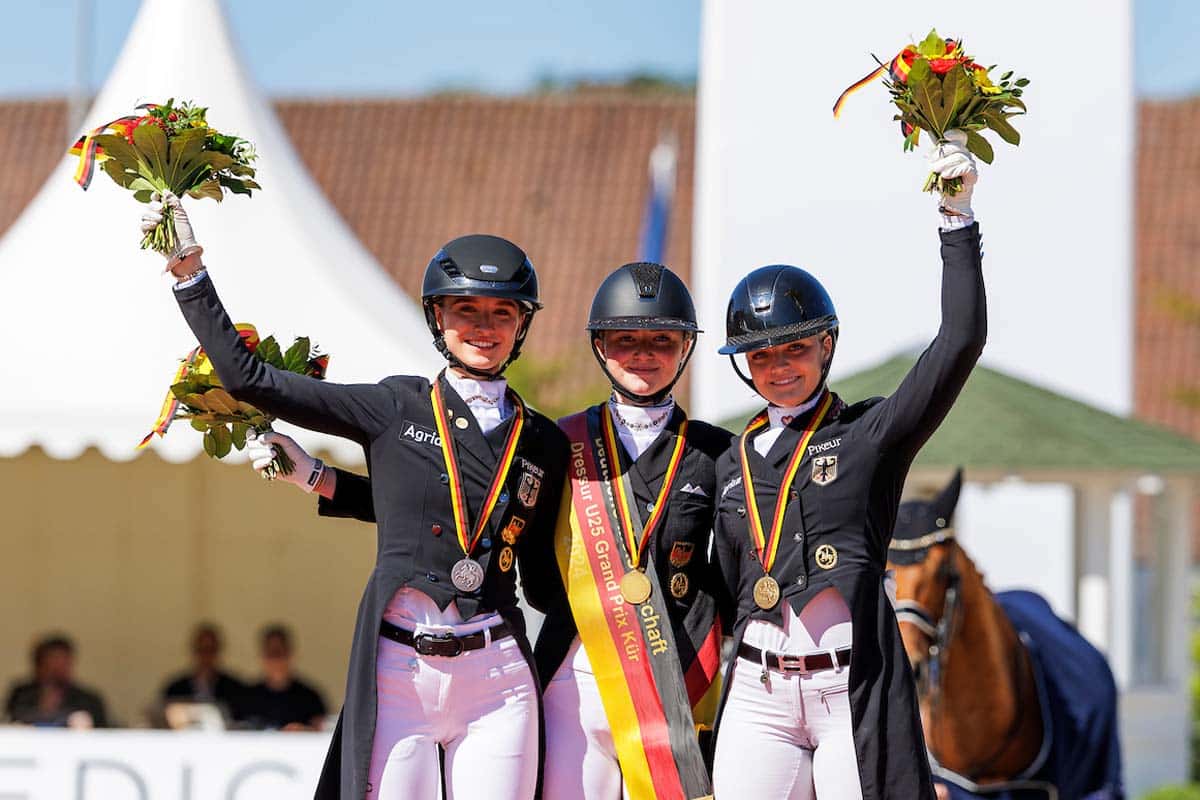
768 545
623 493
458 498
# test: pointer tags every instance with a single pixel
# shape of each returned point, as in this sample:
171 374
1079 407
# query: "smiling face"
787 374
643 362
479 331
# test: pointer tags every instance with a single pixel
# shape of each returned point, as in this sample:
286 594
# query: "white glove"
263 449
952 159
185 238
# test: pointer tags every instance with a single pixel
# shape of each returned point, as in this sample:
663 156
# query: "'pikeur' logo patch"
419 434
821 447
824 470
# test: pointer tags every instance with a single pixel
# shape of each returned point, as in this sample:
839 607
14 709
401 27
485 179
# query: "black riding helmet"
643 296
479 265
774 305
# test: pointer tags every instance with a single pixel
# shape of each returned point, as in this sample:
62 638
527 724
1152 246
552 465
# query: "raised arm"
358 412
910 416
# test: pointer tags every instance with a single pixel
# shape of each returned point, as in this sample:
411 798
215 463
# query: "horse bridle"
941 630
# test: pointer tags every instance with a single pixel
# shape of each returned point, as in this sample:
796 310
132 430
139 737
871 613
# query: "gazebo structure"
1005 431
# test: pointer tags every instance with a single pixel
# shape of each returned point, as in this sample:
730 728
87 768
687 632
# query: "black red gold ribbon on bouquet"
766 543
89 153
467 575
897 68
638 588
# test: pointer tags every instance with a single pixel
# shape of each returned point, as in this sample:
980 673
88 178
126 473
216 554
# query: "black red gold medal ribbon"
767 544
458 498
634 544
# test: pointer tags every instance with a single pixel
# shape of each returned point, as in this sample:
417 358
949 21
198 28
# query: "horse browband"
922 542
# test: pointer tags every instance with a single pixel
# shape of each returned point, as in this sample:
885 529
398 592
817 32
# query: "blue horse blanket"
1080 757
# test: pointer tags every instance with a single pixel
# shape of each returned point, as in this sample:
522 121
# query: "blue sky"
355 47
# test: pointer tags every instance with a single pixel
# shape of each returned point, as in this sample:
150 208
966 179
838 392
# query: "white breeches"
481 707
795 729
581 761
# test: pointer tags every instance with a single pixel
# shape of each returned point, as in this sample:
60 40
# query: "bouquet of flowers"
168 148
197 395
938 87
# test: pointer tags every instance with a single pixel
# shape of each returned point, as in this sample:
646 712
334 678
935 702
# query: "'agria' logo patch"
419 434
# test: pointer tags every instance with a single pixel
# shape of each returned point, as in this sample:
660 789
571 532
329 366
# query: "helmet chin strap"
833 334
644 399
439 341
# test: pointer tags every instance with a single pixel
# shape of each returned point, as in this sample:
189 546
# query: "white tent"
93 335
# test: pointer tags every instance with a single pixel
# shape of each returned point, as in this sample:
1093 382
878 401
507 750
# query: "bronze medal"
766 593
635 587
506 559
679 585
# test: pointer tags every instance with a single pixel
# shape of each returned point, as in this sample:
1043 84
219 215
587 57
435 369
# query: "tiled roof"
1167 361
564 176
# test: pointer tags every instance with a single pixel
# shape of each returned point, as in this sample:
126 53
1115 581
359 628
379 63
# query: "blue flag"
658 202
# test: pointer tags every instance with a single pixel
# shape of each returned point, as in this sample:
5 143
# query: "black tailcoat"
393 421
684 532
873 442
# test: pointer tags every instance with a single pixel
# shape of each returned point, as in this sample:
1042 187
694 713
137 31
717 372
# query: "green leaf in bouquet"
932 46
210 188
199 424
247 410
151 143
210 443
223 441
241 170
143 196
268 350
957 91
196 401
239 435
184 151
116 148
1001 126
221 401
980 146
296 357
238 185
181 390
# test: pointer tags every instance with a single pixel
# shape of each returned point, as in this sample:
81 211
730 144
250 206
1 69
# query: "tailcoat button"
429 576
486 542
800 581
504 496
435 529
741 512
444 478
797 537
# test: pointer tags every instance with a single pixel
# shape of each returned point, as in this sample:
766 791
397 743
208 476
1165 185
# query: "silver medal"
467 575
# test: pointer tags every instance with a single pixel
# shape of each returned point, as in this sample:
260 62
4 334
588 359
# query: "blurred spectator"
53 698
206 682
280 699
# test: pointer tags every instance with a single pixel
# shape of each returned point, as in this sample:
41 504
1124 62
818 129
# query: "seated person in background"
206 682
52 698
281 700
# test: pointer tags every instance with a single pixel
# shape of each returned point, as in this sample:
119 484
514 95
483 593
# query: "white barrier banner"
158 765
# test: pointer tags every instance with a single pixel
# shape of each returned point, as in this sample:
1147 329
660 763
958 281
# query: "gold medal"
635 587
766 593
506 559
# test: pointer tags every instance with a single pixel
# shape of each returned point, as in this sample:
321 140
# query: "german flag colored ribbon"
635 544
90 154
766 543
631 648
195 361
898 68
467 538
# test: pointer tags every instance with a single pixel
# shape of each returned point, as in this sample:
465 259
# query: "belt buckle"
427 644
792 663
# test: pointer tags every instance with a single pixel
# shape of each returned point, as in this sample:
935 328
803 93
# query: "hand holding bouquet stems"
196 395
938 88
169 149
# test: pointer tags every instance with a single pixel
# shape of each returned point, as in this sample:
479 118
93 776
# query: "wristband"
314 477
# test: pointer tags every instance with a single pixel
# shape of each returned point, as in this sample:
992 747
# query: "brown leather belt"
444 644
782 662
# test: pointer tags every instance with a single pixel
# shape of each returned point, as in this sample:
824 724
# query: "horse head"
922 557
